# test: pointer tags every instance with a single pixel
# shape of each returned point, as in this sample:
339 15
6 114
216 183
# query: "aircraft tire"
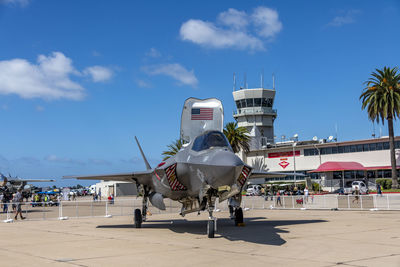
138 218
210 229
238 216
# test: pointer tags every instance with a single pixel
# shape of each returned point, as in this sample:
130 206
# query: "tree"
237 136
381 98
173 149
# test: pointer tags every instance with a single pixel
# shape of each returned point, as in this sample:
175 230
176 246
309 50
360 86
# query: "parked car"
253 190
360 185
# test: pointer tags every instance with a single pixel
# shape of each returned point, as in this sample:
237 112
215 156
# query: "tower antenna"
234 82
262 78
273 81
245 81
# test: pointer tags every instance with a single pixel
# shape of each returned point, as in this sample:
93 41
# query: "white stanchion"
9 219
107 215
60 214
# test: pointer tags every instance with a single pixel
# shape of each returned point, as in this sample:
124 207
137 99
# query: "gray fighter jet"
10 185
205 169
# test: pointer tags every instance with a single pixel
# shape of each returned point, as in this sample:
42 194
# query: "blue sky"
79 79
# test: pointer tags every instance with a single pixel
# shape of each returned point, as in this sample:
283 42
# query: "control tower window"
238 105
209 140
264 102
257 102
249 102
243 103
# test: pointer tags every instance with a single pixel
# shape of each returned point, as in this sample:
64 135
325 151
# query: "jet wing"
265 174
33 180
141 177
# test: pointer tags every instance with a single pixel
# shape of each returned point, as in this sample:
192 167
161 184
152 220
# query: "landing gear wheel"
138 218
238 216
210 228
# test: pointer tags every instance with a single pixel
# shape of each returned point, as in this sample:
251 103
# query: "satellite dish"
296 136
330 138
315 138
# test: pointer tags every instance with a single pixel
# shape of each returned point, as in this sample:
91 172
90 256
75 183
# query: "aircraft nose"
227 158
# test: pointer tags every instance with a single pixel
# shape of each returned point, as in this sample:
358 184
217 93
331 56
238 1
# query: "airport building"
325 161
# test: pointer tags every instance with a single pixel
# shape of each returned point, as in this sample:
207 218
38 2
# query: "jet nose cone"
226 158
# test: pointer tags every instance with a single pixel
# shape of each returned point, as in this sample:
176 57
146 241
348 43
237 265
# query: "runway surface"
269 238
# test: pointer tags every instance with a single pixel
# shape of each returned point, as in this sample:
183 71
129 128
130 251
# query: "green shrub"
385 183
315 187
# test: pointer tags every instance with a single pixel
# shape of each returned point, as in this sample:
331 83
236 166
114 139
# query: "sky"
80 79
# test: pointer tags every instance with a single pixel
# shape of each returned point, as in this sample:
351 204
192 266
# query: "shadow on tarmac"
256 229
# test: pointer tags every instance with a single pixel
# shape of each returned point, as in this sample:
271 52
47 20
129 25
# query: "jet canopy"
199 116
210 139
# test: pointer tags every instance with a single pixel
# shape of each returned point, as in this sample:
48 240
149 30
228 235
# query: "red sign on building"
283 154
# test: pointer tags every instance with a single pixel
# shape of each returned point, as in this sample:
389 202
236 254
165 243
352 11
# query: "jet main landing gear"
140 216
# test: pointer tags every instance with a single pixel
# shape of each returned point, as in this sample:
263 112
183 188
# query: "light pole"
294 163
319 154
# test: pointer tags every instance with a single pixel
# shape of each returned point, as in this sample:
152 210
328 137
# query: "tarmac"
269 238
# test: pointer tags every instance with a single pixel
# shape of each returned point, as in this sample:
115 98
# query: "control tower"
254 111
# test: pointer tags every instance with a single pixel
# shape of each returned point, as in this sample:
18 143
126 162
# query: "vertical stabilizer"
144 157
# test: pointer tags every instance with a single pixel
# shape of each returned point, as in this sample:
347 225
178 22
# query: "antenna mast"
234 82
245 81
273 81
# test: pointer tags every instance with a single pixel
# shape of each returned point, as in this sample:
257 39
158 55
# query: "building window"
386 145
379 146
349 174
334 150
366 147
337 175
371 174
243 103
340 149
360 174
238 105
353 148
249 102
359 148
372 146
257 102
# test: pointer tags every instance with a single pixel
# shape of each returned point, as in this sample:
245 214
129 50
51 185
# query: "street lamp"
319 154
294 163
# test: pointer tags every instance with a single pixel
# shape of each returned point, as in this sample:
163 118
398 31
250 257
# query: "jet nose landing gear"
138 218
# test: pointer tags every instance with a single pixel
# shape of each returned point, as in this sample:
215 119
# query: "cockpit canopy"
210 139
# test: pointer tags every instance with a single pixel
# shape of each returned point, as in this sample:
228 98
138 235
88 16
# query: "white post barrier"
9 219
387 199
108 215
60 212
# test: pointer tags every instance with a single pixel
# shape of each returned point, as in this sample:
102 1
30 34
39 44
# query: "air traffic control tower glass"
209 140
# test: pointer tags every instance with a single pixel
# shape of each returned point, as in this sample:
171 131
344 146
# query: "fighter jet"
10 185
206 168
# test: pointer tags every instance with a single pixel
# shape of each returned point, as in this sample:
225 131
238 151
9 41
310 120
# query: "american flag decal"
243 176
173 180
202 114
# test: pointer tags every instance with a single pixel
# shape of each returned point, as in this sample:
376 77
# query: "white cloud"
175 71
55 159
98 73
49 78
39 108
234 29
347 18
154 53
22 3
143 84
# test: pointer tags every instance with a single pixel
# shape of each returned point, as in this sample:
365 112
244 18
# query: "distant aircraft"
205 169
11 184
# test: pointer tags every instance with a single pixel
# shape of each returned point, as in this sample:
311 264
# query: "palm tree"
237 136
173 149
381 97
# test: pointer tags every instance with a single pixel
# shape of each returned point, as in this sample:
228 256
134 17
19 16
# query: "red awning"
381 168
332 166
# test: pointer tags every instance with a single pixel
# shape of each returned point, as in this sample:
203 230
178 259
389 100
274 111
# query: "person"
306 194
379 189
357 194
278 198
99 194
18 202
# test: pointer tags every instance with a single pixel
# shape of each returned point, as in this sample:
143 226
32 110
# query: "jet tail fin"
144 157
